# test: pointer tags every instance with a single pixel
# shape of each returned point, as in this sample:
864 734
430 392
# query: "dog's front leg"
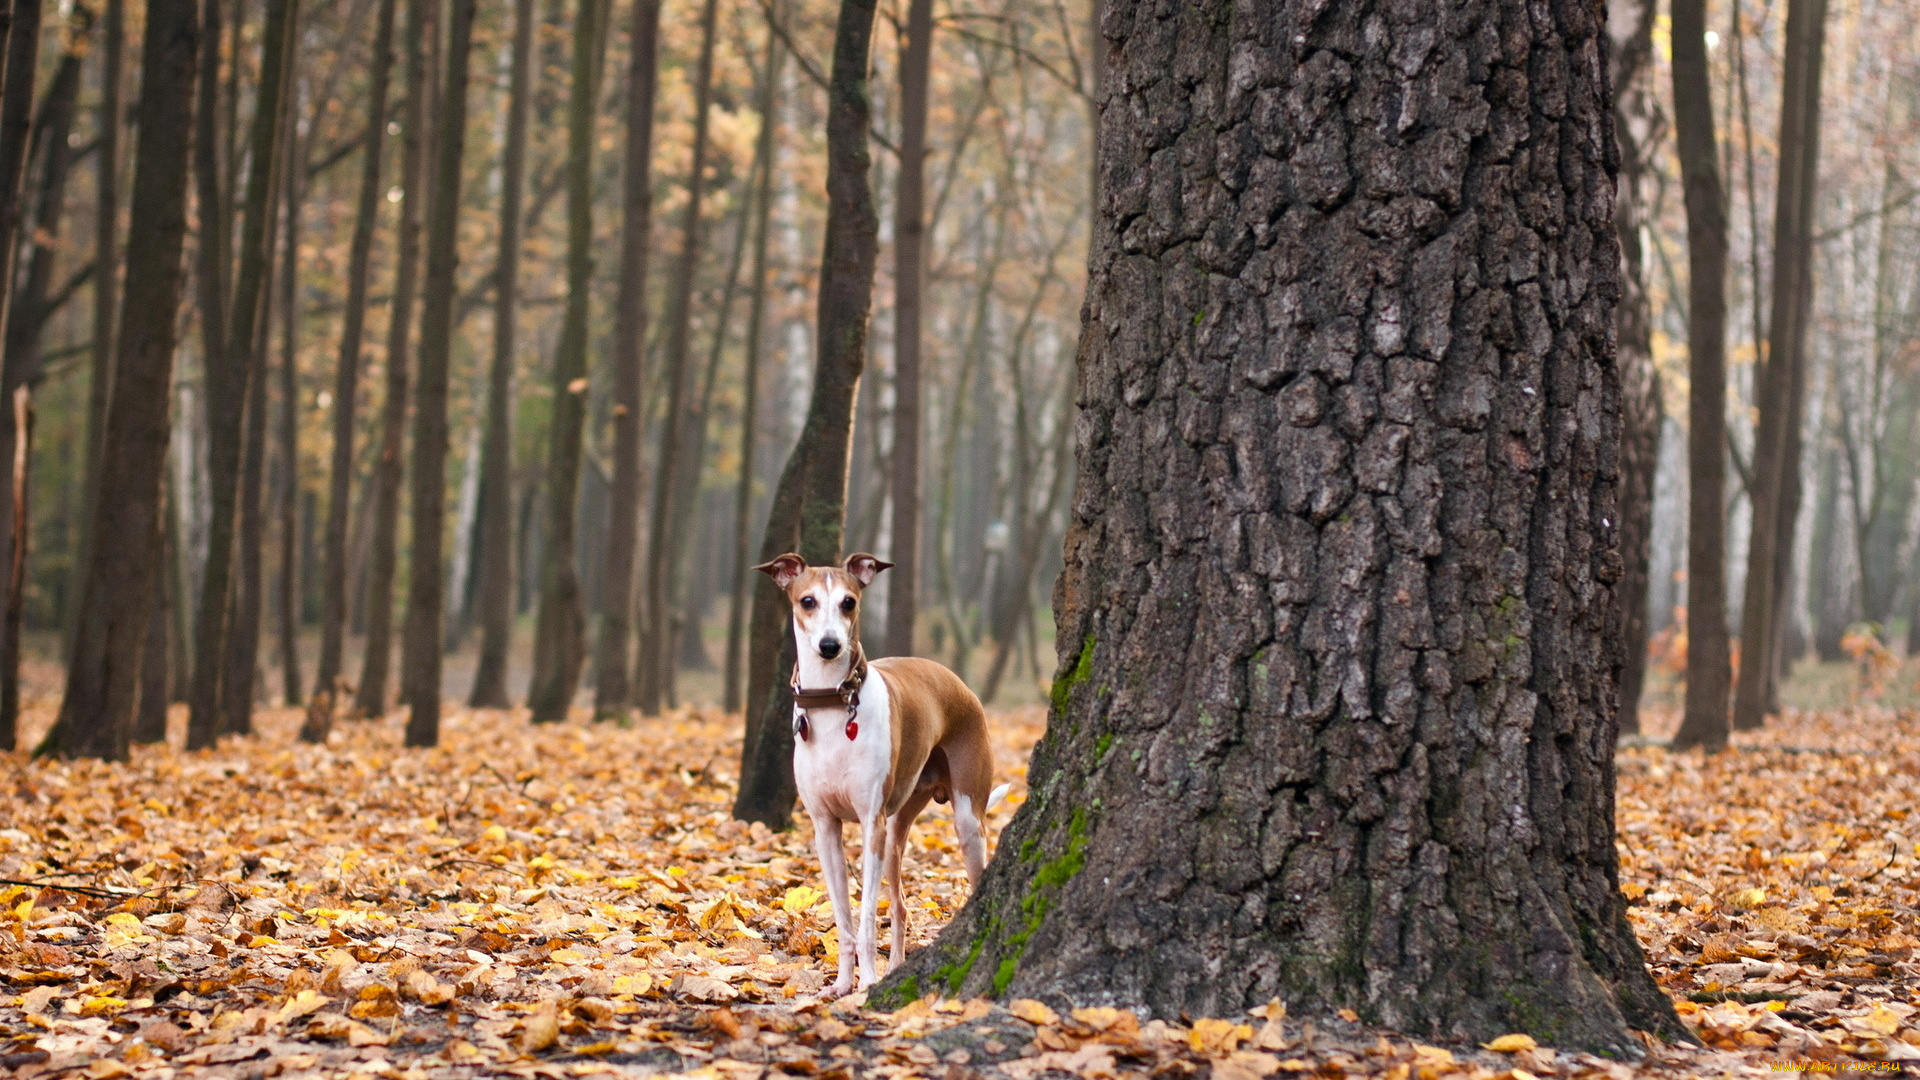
833 865
873 842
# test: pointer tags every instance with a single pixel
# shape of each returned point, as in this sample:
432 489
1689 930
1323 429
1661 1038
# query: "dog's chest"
842 777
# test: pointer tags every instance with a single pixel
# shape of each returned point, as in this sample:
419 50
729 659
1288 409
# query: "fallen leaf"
1033 1012
1511 1044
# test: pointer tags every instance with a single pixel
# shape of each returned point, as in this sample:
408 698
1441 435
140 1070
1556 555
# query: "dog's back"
935 715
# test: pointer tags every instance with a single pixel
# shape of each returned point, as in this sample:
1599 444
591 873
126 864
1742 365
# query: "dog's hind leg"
828 846
898 827
969 824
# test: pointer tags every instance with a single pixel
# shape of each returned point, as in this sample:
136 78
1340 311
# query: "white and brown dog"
876 751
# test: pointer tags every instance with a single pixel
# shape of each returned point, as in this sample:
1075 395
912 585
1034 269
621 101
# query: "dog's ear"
865 567
784 569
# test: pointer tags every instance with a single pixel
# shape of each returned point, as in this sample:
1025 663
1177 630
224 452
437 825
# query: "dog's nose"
829 648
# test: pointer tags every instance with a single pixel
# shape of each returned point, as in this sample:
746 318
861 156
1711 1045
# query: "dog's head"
825 599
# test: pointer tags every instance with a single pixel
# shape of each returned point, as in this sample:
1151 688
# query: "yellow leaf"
540 1030
567 956
800 899
1511 1044
1431 1055
300 1004
494 835
632 984
1882 1020
1217 1038
102 1005
1033 1012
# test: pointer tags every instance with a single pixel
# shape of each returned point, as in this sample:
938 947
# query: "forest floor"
573 899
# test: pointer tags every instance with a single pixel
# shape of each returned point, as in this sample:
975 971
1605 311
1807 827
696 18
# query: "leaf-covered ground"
573 899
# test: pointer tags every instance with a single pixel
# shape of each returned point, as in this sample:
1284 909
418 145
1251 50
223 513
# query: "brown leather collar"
845 695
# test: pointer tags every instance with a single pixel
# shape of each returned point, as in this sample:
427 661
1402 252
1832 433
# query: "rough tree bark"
740 597
495 564
1708 660
426 603
370 697
909 272
809 505
613 686
1776 457
1338 634
346 380
673 497
1630 29
559 635
96 714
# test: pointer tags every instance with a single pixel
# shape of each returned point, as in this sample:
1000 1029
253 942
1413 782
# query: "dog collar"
844 696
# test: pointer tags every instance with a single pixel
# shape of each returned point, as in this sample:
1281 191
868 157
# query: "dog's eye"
847 603
809 603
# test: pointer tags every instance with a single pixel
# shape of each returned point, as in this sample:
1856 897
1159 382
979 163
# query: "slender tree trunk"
336 579
559 636
810 503
909 263
224 403
740 596
1631 30
247 344
1708 670
50 162
613 687
496 563
383 558
426 601
16 604
1776 438
1403 817
287 492
672 496
103 679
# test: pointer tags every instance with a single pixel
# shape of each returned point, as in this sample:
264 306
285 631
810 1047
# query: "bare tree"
1776 456
346 381
1708 661
370 698
559 636
673 496
613 685
116 600
495 564
740 596
426 577
909 270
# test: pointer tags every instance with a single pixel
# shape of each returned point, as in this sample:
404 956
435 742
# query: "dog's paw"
839 989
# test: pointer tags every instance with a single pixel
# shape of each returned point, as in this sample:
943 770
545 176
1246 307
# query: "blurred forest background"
299 498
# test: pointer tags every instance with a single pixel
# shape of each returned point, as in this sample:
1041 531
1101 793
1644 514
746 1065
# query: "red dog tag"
853 728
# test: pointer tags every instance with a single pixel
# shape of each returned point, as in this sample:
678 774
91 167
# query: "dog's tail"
999 794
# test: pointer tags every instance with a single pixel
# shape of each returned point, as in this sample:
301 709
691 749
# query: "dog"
876 751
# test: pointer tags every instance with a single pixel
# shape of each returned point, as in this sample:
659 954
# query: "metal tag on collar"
800 725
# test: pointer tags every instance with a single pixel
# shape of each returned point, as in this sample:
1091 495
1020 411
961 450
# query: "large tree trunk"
96 715
613 687
426 603
150 714
1338 629
1708 660
335 578
1776 458
809 504
221 702
495 564
740 595
370 698
909 273
673 497
1630 28
559 636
